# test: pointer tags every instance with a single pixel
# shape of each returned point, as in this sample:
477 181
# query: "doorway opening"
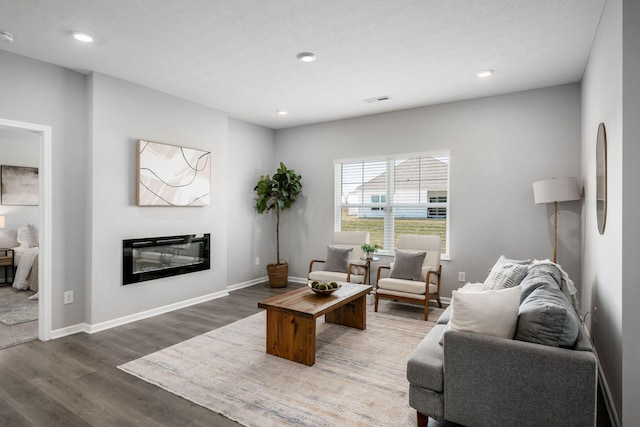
42 134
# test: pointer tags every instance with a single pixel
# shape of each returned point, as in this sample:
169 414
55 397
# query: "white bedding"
24 258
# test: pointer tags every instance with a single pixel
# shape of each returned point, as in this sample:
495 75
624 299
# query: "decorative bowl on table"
324 288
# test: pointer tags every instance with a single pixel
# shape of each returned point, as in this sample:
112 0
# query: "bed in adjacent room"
26 259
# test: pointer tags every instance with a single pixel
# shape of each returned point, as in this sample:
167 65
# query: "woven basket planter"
278 274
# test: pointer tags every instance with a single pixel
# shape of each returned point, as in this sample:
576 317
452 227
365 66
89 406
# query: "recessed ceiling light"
6 37
485 73
306 56
282 112
82 37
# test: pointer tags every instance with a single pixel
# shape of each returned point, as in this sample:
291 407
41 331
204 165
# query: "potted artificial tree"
278 192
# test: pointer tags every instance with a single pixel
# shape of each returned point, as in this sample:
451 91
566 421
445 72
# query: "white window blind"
403 194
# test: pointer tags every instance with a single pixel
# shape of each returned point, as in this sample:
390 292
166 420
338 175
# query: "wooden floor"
74 381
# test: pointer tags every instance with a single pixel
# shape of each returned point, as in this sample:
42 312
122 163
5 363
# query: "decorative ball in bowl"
324 288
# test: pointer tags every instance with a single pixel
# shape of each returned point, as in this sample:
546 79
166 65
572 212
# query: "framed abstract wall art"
170 175
20 186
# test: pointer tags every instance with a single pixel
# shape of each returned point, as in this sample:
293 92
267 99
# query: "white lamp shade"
1 221
555 190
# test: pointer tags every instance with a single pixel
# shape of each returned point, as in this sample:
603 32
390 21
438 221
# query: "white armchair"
419 291
356 270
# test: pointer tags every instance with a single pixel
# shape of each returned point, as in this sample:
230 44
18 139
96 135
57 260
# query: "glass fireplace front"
157 257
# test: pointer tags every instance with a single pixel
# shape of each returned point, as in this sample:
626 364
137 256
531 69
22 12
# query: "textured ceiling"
239 56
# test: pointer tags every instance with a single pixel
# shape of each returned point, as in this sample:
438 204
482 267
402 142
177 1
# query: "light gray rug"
359 378
15 315
16 307
17 333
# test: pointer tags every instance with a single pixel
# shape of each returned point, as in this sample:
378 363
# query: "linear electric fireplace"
157 257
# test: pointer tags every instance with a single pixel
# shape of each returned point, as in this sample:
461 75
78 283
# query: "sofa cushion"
506 273
490 312
424 368
547 317
337 259
540 275
406 286
445 316
407 265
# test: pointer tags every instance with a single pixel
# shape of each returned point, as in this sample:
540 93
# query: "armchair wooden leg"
375 307
423 420
426 309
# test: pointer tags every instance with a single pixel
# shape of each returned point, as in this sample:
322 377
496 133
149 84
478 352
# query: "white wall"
499 146
602 254
18 148
630 214
122 113
36 92
251 154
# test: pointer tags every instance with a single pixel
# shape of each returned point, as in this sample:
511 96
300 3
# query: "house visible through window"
404 194
381 198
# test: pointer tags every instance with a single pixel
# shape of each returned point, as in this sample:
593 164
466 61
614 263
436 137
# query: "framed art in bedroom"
170 175
20 186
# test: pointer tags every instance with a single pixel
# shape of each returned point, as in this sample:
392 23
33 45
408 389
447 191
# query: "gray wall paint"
36 92
18 148
630 214
251 154
602 254
122 113
499 146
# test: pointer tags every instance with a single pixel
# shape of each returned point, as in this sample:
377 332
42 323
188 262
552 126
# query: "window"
379 198
404 194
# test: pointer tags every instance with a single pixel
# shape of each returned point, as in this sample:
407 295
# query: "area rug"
359 378
16 307
15 315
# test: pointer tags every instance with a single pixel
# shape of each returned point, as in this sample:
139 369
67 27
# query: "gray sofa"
480 380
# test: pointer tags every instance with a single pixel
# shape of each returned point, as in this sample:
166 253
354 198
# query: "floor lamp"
553 191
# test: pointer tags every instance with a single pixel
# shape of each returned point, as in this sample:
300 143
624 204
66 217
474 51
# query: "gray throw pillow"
407 265
337 259
547 317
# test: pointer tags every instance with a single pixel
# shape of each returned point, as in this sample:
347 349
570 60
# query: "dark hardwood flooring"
74 381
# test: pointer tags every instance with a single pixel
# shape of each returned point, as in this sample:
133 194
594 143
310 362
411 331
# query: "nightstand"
6 261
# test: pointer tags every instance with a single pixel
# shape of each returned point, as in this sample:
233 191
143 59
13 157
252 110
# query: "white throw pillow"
476 286
27 236
490 312
33 235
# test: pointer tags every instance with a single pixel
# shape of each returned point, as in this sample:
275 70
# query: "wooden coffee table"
291 318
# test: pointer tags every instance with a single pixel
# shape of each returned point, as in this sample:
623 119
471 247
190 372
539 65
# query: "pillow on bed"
33 235
27 236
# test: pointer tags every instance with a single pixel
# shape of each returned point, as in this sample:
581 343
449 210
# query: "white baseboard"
70 330
98 327
243 285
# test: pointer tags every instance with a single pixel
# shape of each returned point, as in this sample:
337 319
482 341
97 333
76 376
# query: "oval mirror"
601 178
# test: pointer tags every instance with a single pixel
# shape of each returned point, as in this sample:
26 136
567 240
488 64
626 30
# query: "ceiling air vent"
377 99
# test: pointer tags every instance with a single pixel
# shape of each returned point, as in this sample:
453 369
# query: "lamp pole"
555 231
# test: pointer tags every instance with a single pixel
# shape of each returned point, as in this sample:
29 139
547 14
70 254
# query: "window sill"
391 254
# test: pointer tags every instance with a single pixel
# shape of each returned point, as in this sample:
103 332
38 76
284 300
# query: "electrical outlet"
257 260
461 276
68 297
